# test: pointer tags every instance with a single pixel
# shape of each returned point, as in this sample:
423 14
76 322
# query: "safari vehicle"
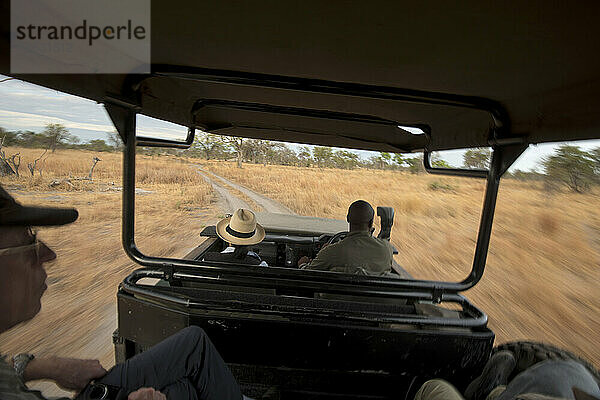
359 76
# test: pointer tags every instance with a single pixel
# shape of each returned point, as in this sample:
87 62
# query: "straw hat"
241 228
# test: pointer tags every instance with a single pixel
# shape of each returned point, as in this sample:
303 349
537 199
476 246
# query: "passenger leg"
496 392
182 389
189 354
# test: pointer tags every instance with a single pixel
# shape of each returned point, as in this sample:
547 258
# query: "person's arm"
303 261
68 373
146 394
320 262
391 250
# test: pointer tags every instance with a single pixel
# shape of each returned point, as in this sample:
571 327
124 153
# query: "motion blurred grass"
543 270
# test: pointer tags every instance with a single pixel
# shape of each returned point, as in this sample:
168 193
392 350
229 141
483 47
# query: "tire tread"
529 353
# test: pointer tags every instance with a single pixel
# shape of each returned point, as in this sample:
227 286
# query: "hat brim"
259 234
37 216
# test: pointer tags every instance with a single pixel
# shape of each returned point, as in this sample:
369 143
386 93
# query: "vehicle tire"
530 353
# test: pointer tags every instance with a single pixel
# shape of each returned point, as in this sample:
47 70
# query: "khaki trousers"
438 389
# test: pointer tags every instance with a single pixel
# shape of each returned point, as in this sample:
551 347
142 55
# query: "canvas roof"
347 74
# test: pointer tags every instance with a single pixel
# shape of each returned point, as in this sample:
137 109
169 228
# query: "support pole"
502 159
124 118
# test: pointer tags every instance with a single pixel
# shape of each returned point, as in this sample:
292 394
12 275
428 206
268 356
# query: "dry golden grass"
543 271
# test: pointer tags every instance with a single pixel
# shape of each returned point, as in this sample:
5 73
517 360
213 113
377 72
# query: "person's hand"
146 394
303 260
75 374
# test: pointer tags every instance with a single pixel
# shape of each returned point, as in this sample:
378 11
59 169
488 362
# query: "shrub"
435 185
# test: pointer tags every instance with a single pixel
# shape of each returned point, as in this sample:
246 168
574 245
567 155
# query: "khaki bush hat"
14 214
241 228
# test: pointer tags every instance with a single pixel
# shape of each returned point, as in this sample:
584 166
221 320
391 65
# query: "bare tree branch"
95 161
5 168
15 165
33 166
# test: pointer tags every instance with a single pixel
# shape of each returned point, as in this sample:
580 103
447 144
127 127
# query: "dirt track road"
228 202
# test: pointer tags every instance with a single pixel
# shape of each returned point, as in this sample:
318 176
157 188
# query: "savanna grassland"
541 281
543 270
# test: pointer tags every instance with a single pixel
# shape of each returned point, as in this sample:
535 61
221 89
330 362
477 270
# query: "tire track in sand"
229 202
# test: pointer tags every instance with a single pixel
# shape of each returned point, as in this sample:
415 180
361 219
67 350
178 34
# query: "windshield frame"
124 119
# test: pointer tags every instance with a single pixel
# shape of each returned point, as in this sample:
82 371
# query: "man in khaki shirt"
359 252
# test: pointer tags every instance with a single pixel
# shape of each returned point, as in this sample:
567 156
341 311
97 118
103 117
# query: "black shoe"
495 373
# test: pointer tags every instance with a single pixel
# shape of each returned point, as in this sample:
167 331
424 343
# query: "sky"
24 106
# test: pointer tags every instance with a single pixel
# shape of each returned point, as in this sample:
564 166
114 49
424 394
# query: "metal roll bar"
123 115
130 286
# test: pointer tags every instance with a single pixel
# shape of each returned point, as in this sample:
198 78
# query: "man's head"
22 279
360 216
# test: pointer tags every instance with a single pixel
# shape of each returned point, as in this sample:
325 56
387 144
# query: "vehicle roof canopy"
347 74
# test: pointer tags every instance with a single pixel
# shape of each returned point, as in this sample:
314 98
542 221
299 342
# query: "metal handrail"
468 173
495 109
130 286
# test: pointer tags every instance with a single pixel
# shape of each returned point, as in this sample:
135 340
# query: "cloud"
29 121
24 106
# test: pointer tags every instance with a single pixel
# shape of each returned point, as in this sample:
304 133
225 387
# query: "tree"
253 151
380 161
415 165
384 159
34 165
9 138
571 166
5 167
279 153
344 159
208 144
478 158
322 156
98 145
114 140
237 144
32 139
57 134
259 150
595 154
374 162
526 175
437 162
399 159
304 157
